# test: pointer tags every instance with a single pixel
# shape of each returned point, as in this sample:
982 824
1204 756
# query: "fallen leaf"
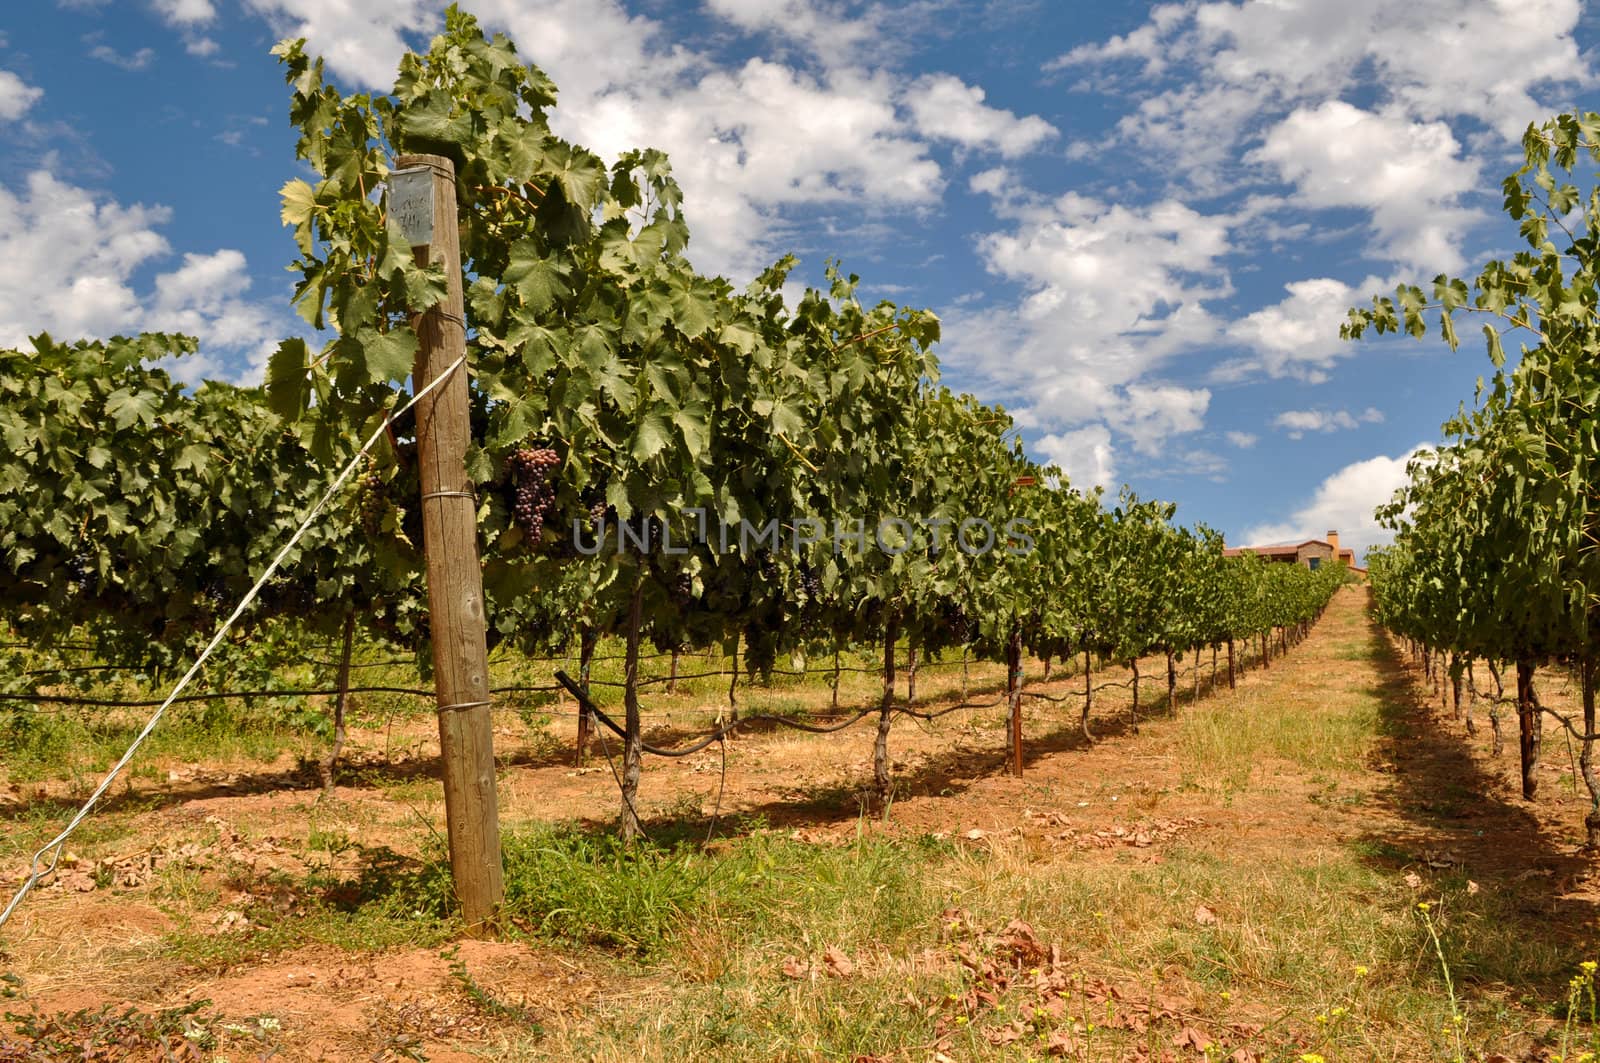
793 968
1472 887
1007 1034
1205 916
1189 1037
1061 1043
837 963
1413 880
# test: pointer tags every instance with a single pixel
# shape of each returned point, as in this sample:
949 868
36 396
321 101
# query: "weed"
486 1001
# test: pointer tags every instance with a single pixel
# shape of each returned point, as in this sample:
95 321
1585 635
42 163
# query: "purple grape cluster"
81 569
534 494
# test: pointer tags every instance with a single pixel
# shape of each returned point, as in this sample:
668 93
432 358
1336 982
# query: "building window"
1314 562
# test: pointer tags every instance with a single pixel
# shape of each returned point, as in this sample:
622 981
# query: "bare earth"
192 849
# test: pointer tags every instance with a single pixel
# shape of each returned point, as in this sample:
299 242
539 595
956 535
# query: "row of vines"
658 456
1496 559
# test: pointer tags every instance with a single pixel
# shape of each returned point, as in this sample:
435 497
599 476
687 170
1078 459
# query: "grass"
903 945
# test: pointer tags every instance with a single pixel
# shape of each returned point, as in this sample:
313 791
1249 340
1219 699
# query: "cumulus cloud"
1409 175
1298 422
829 30
1084 455
748 142
1110 294
130 61
947 108
1251 93
68 259
186 12
1345 501
1242 440
1299 335
361 41
1285 52
17 97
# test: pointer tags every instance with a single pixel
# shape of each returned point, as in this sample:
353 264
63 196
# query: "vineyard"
932 733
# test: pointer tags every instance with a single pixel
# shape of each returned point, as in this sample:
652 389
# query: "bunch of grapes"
534 492
810 582
81 569
372 504
961 628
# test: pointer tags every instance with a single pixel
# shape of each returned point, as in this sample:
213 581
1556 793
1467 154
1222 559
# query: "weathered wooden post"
422 197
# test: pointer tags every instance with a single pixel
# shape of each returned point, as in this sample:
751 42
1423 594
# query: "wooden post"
455 578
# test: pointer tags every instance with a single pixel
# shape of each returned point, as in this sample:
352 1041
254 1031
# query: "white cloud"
1408 174
67 263
1084 455
1150 415
1345 501
748 143
827 29
1242 440
17 97
361 41
1433 58
947 108
1110 295
1299 422
186 12
130 61
1298 336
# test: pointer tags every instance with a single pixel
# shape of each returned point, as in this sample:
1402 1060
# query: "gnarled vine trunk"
1014 699
1133 710
329 763
1529 727
880 745
587 639
632 755
1088 695
1585 759
1497 742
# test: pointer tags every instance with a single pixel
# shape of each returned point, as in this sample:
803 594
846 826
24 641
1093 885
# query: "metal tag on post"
411 203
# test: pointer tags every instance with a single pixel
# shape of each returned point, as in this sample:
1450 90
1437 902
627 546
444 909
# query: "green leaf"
1497 353
299 204
692 422
389 356
287 393
652 435
127 407
539 279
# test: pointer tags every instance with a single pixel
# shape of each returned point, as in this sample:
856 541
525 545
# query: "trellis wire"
36 868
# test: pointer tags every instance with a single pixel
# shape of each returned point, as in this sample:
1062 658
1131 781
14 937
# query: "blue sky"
1140 224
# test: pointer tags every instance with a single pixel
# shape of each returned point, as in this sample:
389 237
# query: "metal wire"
49 855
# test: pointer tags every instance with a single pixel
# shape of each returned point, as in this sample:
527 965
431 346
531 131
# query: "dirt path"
1331 748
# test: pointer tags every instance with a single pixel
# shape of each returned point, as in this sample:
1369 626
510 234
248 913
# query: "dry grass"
1272 910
